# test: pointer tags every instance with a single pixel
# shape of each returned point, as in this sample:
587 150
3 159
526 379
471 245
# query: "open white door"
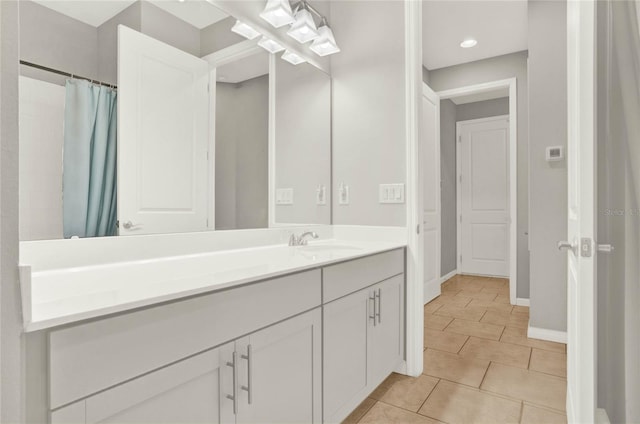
430 165
163 107
581 148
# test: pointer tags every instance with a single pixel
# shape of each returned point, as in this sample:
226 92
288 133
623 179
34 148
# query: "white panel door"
163 108
581 166
430 151
483 196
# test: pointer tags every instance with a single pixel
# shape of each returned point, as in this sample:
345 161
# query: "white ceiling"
500 27
244 69
479 97
200 14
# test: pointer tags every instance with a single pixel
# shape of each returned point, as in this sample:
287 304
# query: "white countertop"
61 296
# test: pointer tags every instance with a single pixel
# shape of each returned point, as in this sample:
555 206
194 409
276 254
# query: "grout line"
368 409
530 356
430 393
464 344
485 374
521 411
501 334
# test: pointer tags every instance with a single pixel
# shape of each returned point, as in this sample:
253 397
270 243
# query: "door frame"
511 85
458 181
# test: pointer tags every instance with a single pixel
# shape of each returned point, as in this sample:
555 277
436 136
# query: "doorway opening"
485 186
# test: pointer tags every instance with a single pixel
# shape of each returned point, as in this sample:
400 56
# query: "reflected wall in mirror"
151 133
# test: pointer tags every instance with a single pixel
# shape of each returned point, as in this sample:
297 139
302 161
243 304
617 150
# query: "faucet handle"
293 241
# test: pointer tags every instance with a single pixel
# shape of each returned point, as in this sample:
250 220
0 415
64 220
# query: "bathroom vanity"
305 343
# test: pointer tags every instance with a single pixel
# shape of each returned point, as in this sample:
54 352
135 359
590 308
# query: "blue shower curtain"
89 167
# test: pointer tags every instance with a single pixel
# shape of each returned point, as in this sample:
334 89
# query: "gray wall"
450 113
12 385
218 36
242 129
497 68
449 226
547 183
484 109
618 273
165 27
108 41
303 141
368 109
57 41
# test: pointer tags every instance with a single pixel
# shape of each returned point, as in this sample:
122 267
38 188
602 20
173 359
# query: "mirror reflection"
144 117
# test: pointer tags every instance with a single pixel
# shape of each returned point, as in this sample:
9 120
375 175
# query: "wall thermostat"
555 153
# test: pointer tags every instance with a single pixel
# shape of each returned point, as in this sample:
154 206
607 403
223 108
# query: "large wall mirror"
148 117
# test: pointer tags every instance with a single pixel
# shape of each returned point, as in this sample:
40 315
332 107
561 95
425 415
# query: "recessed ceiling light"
468 43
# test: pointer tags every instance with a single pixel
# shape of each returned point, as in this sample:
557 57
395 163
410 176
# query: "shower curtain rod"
66 74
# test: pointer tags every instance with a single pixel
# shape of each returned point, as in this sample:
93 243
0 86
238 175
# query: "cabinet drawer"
348 277
91 357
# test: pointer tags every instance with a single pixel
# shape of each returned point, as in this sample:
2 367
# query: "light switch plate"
321 195
284 196
391 193
343 194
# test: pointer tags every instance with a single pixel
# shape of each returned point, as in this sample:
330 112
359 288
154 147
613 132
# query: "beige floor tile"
491 305
497 290
477 329
482 296
521 310
410 393
380 391
495 283
455 368
502 298
471 314
549 362
531 386
519 336
534 415
432 306
454 403
457 300
504 353
509 320
436 322
444 340
359 412
381 413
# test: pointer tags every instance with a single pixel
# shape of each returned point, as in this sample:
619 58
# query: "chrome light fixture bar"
270 45
325 44
304 28
245 30
292 58
278 13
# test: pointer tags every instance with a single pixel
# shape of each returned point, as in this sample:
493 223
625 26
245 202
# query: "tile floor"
479 365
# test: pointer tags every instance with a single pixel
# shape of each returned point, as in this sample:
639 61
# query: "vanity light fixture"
278 13
270 45
325 44
304 28
468 43
245 30
292 58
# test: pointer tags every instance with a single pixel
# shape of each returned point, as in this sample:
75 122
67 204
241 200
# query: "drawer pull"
373 317
248 387
234 396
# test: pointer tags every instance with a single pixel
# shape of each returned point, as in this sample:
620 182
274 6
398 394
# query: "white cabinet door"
163 130
280 372
191 391
345 325
386 340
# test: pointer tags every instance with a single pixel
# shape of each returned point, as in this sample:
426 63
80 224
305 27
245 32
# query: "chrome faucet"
301 240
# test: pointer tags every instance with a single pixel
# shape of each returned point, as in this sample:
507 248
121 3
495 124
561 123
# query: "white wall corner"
548 335
522 302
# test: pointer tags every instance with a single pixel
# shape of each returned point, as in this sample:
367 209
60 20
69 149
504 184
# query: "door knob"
129 225
567 245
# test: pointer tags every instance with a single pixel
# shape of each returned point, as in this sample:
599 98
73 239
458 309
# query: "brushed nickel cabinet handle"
248 388
379 311
234 396
373 317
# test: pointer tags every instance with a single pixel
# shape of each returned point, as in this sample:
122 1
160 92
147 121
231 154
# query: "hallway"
479 365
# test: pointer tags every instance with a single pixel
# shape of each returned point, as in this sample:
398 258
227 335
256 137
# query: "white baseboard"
447 276
548 335
522 302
